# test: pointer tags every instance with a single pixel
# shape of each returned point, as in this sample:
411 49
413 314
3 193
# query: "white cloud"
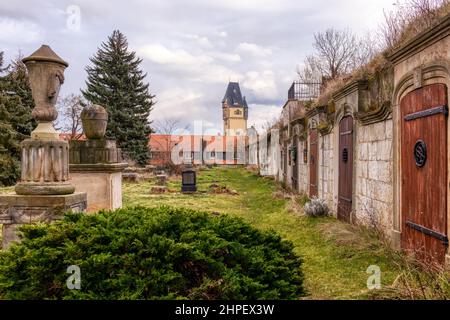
175 57
230 57
252 5
254 49
200 40
18 31
200 67
259 115
222 34
262 84
177 103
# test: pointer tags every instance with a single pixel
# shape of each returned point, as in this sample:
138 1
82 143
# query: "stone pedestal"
96 168
16 210
101 182
44 192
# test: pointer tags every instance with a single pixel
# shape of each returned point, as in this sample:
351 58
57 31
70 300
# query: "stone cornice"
315 111
350 88
370 117
424 39
99 167
300 120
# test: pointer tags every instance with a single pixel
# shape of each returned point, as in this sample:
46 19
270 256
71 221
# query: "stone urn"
95 120
46 72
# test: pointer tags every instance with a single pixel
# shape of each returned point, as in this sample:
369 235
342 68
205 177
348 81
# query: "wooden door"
424 172
285 163
313 163
294 158
345 191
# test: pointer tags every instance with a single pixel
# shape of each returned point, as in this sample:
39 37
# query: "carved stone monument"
95 164
45 190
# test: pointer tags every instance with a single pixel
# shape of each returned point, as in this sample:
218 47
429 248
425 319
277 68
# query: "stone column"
45 191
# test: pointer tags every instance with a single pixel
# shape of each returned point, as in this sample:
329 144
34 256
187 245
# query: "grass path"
336 256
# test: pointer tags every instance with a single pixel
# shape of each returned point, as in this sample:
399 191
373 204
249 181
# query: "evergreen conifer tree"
16 122
116 82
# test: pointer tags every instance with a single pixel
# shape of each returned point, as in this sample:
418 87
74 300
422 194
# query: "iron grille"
304 91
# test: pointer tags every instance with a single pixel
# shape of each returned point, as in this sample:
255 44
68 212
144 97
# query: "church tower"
235 111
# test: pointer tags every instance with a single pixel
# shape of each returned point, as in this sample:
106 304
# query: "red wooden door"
345 169
294 159
285 162
313 165
424 172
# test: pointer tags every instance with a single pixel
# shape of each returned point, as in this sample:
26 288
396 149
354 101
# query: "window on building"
238 112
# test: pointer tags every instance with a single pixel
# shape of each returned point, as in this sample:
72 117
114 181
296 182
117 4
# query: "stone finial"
46 72
95 120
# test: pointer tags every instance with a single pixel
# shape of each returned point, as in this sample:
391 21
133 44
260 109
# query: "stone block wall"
326 169
303 170
374 174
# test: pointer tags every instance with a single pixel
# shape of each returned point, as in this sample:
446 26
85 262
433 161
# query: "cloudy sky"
191 49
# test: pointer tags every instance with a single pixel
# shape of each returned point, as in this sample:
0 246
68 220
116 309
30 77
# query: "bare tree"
167 126
410 17
367 48
334 53
69 120
337 53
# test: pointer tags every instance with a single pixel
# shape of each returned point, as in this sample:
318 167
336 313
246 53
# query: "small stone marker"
161 180
130 177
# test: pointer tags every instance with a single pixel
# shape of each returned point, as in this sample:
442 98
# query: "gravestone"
161 184
45 190
96 163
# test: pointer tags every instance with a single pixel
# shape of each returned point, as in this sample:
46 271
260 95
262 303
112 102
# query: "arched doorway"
345 191
423 179
313 163
294 159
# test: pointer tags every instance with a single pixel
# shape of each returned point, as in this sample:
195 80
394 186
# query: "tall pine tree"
16 123
116 82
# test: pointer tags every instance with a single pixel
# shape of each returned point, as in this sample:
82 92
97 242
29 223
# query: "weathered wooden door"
313 165
294 159
345 169
285 162
424 172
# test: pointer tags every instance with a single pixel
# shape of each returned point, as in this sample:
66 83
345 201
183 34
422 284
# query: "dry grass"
416 281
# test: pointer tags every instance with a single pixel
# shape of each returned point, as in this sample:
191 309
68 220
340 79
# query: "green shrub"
143 253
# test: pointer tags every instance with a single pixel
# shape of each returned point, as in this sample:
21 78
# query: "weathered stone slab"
130 177
161 180
16 210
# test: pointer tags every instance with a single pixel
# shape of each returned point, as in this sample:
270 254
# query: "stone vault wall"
303 169
374 174
326 169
